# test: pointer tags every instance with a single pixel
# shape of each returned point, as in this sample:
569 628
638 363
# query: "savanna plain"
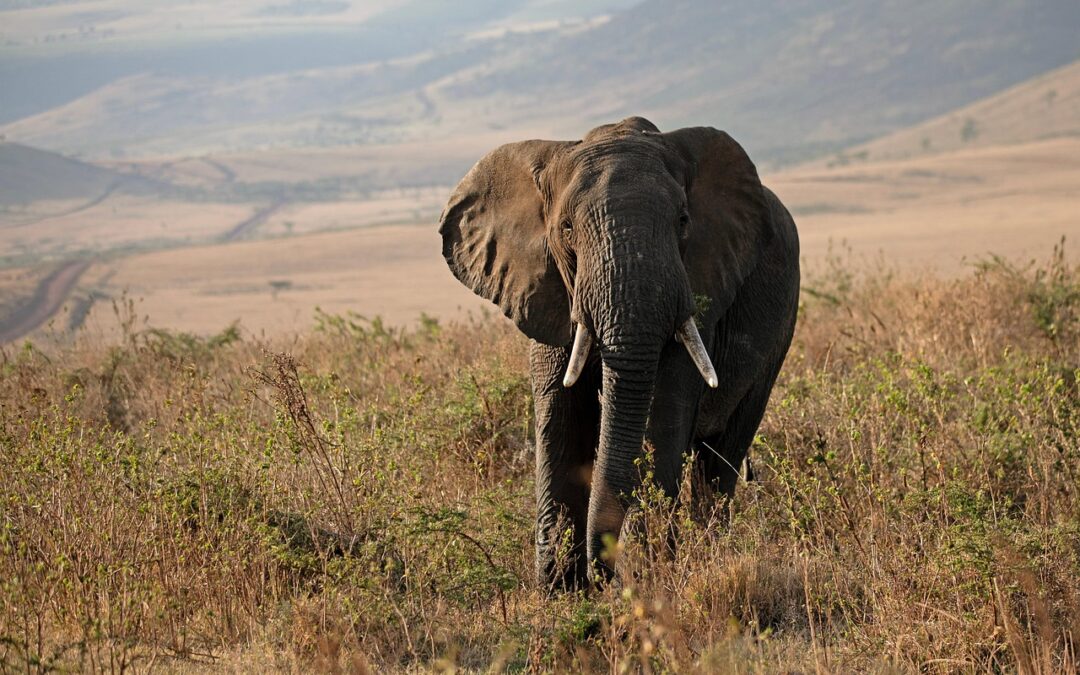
359 498
201 471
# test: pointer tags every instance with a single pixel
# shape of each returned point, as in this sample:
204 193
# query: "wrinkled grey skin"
630 231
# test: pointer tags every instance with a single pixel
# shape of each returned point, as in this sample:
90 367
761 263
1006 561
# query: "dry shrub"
359 499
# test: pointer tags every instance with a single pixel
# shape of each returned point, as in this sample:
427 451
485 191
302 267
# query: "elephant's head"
604 244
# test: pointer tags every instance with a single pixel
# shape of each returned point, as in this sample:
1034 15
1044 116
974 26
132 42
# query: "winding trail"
54 289
226 173
248 224
46 300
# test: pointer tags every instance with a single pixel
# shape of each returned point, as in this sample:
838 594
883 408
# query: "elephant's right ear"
495 241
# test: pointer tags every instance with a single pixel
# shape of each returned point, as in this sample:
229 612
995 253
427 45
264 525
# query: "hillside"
29 174
77 47
787 79
1043 107
791 81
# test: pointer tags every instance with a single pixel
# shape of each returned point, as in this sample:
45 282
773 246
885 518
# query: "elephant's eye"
684 220
567 228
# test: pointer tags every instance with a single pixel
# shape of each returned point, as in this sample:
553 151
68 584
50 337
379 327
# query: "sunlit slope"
1044 107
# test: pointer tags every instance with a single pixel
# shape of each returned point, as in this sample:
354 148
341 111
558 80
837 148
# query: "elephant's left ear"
730 225
495 241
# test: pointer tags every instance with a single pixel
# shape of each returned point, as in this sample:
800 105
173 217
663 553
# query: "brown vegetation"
363 502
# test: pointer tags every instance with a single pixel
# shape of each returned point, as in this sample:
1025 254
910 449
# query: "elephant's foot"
560 556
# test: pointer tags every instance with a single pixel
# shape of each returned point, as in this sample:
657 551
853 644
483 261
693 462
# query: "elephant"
658 282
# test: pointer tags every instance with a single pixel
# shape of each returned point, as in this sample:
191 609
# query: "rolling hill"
788 79
1044 107
792 80
29 174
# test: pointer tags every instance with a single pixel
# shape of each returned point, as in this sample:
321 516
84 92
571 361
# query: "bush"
365 501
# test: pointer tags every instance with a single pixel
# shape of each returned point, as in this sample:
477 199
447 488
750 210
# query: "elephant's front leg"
567 428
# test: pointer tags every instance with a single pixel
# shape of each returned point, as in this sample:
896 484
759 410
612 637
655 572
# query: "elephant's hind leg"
567 428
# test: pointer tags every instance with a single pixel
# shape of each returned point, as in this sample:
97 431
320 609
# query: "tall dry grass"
360 500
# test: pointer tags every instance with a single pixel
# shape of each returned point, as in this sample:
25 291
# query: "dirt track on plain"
46 300
248 224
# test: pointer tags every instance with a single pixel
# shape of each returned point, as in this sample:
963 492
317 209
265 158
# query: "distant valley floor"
934 212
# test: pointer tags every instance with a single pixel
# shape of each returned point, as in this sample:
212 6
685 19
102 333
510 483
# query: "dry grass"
935 210
54 230
396 272
360 500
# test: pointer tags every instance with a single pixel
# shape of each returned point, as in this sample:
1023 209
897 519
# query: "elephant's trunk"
628 380
644 302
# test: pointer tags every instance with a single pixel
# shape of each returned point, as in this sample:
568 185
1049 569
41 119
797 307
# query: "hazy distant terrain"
52 54
254 162
940 212
790 80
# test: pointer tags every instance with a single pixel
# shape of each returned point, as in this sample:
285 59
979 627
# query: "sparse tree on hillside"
970 130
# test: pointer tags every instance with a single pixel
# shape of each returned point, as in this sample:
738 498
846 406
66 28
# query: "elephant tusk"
578 355
689 336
